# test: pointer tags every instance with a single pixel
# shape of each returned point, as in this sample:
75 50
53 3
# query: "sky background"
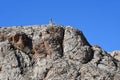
98 19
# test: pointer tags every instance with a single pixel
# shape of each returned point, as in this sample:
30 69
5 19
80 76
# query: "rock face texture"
53 52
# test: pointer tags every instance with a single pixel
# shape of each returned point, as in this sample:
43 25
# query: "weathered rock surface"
116 55
53 52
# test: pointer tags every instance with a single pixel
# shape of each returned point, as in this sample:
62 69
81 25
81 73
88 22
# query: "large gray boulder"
53 52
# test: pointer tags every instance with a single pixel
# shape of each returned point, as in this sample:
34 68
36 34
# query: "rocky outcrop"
116 55
53 52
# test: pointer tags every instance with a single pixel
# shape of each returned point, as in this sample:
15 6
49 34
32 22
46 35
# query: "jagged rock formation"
53 52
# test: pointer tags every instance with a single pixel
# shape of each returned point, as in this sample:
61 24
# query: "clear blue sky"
98 19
